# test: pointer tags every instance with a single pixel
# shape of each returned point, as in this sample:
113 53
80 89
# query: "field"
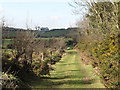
53 33
6 42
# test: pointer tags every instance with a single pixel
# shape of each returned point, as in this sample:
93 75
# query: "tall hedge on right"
100 37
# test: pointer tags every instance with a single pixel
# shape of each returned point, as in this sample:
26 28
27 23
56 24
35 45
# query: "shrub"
108 61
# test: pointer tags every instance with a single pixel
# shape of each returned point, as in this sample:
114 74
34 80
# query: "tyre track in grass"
70 72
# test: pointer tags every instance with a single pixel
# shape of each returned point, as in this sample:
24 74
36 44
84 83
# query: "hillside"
9 32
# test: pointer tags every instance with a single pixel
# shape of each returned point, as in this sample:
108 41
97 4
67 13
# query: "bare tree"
24 46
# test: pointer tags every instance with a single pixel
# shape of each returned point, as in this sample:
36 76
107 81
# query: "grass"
70 72
5 42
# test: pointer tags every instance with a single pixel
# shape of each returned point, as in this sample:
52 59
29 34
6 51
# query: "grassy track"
70 72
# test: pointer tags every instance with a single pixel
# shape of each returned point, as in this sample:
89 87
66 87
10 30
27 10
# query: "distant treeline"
9 32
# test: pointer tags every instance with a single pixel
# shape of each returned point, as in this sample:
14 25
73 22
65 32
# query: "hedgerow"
100 38
30 56
108 61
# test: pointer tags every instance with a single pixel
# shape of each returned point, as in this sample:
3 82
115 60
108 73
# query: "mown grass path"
70 72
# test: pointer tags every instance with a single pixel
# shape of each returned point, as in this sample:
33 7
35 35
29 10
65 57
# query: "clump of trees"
30 55
99 36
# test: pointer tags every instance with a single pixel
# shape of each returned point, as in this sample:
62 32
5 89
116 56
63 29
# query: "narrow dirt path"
70 72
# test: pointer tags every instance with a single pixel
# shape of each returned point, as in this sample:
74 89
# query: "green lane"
70 72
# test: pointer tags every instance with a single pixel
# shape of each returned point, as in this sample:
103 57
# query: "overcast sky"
45 13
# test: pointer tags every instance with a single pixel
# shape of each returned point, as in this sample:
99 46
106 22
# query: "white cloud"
54 17
34 0
54 0
1 9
